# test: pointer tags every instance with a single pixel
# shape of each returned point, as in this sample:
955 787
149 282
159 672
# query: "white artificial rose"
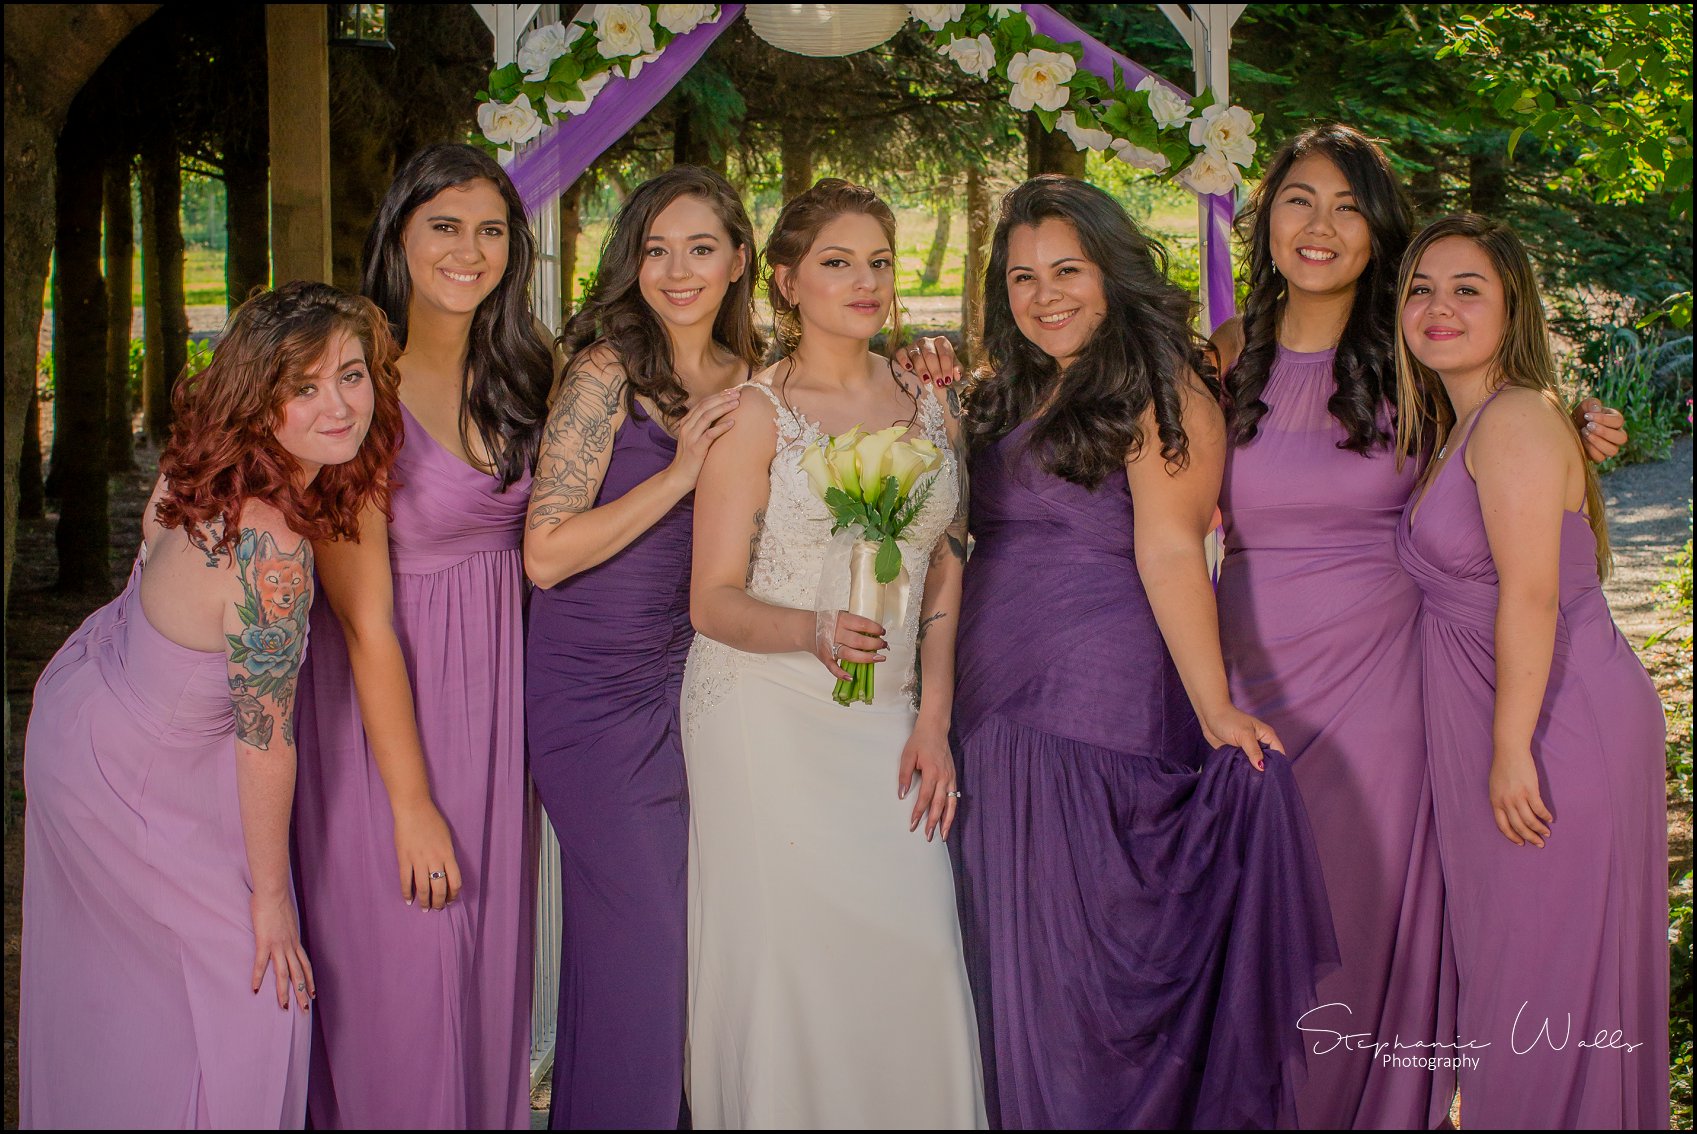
1227 131
934 16
1003 11
1136 156
590 88
682 18
1168 106
541 48
1040 79
1210 173
974 56
622 29
1083 137
509 123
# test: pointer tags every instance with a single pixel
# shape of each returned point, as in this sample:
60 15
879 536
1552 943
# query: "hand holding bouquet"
868 482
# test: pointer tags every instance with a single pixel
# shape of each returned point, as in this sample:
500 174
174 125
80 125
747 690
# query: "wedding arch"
563 91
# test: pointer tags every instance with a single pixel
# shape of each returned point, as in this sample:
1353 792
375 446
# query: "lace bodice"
789 555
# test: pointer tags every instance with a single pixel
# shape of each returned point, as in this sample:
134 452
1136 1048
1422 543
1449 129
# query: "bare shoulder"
1518 416
598 365
1227 341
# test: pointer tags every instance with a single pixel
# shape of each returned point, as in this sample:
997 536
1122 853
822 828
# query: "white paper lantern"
825 29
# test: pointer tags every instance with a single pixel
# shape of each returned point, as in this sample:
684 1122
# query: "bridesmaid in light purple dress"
1317 618
1547 738
412 788
160 762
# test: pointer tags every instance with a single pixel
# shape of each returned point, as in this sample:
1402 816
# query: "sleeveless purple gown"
1562 951
1143 918
604 668
135 1007
1317 621
424 1018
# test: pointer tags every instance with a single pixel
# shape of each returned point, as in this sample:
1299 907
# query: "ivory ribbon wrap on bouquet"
852 558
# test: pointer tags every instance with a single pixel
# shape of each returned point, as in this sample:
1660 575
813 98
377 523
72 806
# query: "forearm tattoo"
575 445
265 658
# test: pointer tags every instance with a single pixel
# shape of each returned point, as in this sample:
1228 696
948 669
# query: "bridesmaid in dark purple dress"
1140 902
1547 738
654 356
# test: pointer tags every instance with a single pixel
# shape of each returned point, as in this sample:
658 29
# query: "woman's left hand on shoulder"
928 760
933 359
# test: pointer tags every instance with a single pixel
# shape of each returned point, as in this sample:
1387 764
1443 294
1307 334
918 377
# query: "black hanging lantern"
360 25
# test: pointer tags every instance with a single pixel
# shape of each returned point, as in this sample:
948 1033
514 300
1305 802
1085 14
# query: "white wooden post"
1207 28
508 23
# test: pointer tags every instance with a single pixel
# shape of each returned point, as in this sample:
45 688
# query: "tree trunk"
247 152
977 256
162 282
796 154
1487 179
120 253
939 243
79 361
1049 151
32 501
571 227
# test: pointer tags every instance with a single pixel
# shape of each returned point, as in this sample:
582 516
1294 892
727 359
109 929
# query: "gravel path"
1649 519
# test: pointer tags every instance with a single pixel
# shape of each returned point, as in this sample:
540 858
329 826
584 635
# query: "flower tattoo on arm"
576 444
265 658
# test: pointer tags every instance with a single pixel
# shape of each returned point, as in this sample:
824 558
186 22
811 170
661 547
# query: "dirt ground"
1648 518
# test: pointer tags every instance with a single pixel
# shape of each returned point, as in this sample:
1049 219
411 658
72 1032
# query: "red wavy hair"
224 450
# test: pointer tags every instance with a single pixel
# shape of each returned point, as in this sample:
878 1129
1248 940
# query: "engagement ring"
954 794
835 646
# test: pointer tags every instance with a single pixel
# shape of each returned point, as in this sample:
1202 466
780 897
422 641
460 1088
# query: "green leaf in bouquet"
839 501
889 561
887 500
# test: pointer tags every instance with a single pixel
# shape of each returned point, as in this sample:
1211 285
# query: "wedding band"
835 646
438 874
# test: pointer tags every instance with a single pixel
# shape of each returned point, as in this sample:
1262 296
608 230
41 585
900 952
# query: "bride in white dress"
827 986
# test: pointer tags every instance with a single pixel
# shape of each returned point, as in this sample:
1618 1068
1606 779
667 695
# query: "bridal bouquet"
868 481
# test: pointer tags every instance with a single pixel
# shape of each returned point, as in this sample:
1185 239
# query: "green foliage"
1642 381
1606 85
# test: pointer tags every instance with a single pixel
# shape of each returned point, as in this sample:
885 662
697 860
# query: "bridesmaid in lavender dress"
159 761
663 338
1544 727
1318 618
1139 896
412 793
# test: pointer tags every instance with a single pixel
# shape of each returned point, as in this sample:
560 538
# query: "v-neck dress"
423 1019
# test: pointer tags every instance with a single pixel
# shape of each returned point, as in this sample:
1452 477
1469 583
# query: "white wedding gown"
826 986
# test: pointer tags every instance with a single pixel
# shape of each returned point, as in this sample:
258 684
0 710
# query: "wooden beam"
297 38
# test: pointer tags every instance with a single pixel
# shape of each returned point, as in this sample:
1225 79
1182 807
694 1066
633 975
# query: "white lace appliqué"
789 556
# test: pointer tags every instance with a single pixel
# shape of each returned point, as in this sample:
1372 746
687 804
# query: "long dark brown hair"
614 311
507 362
1364 369
224 450
1138 356
1523 357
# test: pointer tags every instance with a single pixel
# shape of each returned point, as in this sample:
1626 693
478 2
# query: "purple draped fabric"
571 146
